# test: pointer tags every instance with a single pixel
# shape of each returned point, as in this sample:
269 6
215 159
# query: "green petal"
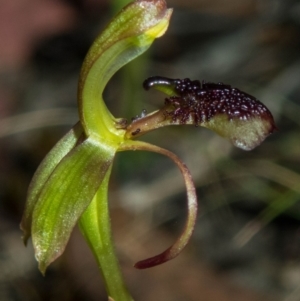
67 193
60 150
130 33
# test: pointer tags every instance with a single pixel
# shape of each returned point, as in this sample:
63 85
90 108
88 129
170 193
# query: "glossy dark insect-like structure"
197 103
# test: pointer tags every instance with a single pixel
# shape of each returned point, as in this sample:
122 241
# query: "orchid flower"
71 184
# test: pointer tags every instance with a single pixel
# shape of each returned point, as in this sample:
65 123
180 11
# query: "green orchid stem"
96 228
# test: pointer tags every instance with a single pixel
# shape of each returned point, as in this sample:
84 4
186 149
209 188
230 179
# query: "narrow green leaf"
67 193
60 150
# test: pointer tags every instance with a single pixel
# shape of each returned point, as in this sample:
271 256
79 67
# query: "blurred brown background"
246 244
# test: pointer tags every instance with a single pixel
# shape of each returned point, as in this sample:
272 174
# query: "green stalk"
96 228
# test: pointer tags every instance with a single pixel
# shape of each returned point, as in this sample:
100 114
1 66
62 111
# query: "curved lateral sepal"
192 205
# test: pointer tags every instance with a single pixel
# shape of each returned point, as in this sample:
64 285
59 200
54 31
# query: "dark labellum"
198 102
228 111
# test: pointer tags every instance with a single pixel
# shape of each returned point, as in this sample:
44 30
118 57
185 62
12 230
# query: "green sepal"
129 34
57 153
64 197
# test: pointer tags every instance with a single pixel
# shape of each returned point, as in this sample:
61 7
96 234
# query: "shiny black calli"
228 111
